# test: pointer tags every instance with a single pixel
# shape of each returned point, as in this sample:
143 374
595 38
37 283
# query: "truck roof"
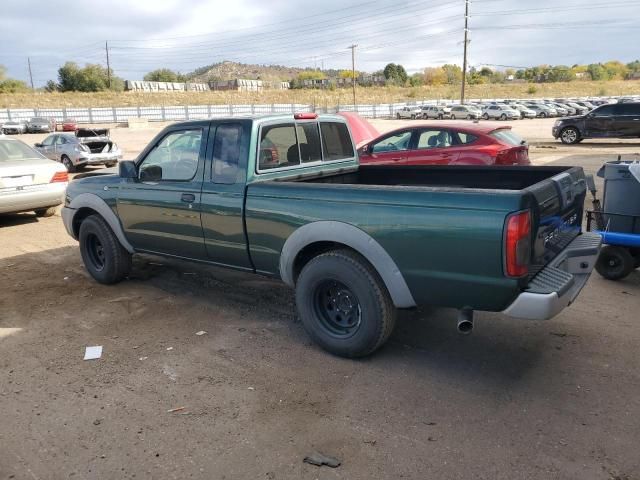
262 118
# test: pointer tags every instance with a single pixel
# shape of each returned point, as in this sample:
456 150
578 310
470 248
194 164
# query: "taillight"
305 116
60 177
518 244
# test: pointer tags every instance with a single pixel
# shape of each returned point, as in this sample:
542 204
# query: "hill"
231 70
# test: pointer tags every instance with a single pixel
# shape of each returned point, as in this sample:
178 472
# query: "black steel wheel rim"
337 308
95 250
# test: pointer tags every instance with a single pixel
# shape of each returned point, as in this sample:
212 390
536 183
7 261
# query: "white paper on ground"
92 353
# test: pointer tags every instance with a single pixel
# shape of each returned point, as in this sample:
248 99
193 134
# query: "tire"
343 278
46 212
615 263
440 116
543 115
485 116
503 117
104 257
398 116
110 164
469 117
413 117
570 136
68 164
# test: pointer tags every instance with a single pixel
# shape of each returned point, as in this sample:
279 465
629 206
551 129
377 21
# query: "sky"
182 35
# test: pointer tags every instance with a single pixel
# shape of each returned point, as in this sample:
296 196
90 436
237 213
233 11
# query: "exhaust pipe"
465 321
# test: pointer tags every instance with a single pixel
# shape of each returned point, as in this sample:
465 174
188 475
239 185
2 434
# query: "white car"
14 126
459 112
500 112
525 112
409 112
436 111
29 181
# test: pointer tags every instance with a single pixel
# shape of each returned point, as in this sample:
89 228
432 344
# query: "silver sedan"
74 152
28 181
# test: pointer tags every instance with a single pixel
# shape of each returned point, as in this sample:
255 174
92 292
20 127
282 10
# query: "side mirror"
127 169
153 173
37 145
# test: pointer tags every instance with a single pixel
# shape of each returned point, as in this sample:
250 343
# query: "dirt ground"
515 400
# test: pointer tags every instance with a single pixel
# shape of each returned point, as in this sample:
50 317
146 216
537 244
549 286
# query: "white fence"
194 112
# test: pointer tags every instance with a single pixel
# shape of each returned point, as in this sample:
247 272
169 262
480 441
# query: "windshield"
13 150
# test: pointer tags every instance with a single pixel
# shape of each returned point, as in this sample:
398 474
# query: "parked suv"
436 111
408 112
465 111
618 120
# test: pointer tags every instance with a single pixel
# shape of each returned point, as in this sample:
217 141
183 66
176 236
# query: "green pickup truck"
284 196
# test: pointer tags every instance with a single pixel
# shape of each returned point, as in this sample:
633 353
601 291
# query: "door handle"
188 197
396 159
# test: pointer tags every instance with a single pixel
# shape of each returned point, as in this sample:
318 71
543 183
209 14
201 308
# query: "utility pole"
30 74
466 43
353 72
106 47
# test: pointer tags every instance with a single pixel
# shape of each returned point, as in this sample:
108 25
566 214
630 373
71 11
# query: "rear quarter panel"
447 243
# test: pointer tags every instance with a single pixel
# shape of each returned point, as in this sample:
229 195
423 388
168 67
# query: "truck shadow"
500 352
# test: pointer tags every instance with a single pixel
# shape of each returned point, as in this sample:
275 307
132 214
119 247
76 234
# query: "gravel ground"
515 400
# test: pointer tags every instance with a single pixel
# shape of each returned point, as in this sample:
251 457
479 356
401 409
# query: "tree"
453 73
434 76
90 78
164 75
597 72
616 70
348 74
395 74
10 85
416 80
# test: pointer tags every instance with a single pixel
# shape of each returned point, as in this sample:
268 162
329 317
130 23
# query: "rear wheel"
570 136
344 305
46 212
615 263
68 164
503 117
104 257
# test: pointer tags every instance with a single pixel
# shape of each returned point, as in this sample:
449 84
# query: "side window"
336 141
174 158
434 139
226 153
47 142
278 147
466 138
628 109
60 140
605 111
393 143
309 141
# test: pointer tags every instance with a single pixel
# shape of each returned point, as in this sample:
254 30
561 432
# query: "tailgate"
558 215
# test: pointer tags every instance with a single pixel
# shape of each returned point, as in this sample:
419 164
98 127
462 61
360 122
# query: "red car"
69 125
447 143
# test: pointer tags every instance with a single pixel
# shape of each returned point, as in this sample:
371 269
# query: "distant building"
582 75
370 80
239 85
316 83
144 86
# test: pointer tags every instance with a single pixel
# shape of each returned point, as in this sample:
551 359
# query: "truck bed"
485 178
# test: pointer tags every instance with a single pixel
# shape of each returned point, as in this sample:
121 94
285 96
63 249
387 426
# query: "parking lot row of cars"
505 109
38 125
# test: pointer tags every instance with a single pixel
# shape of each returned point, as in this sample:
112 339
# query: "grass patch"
321 98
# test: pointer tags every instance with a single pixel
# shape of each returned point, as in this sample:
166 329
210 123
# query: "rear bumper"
557 285
32 198
98 158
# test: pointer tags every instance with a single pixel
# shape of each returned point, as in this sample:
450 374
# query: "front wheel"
344 305
485 116
68 164
503 117
570 136
615 263
46 212
104 257
543 115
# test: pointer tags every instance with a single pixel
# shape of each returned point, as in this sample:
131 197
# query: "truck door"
223 192
160 210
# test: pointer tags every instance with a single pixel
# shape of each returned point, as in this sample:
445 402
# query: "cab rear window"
336 141
508 137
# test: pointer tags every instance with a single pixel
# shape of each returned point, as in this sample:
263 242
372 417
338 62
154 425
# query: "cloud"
148 34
